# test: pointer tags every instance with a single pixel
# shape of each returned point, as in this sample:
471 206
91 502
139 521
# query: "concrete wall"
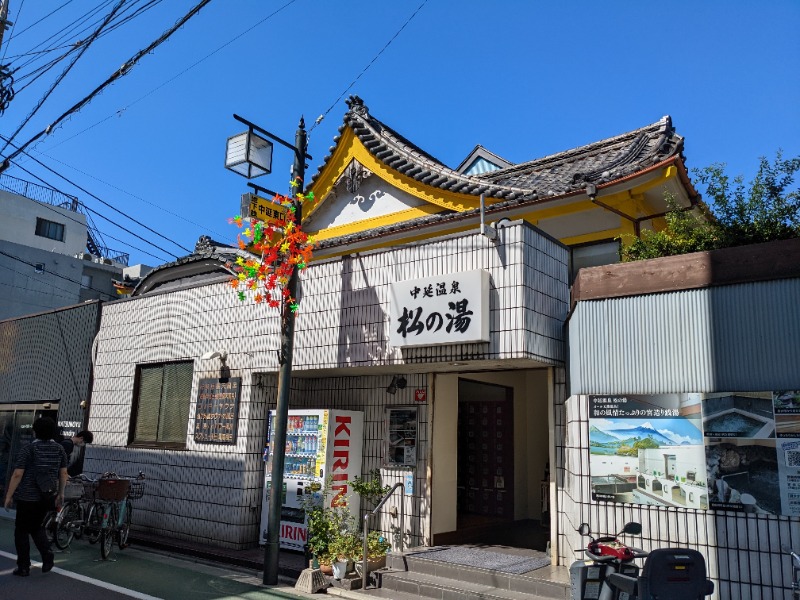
18 224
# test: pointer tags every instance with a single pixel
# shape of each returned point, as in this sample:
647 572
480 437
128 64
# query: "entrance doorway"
485 488
16 430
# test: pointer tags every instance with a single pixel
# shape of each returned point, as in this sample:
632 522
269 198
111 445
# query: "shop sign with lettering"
447 309
217 410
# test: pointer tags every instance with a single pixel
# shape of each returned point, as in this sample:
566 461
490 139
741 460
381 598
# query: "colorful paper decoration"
281 246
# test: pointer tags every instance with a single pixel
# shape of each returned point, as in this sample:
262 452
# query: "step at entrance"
412 574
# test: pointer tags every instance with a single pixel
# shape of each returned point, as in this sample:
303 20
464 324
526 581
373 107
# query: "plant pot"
340 568
373 564
326 569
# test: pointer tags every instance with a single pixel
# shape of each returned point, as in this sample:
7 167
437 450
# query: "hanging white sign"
447 309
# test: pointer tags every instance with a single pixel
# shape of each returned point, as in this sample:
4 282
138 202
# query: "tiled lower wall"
743 552
211 494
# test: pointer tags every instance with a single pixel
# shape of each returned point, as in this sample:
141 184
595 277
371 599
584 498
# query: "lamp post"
257 153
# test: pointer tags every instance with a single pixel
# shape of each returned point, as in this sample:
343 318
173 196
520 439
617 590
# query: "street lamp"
251 151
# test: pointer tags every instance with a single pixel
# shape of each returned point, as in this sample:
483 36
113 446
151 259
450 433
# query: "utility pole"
4 22
272 546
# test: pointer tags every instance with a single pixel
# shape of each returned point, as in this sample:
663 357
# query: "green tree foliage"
768 208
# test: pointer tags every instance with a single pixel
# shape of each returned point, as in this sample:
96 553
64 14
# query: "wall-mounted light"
398 383
222 355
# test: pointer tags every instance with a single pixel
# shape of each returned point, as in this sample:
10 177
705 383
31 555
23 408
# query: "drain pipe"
487 230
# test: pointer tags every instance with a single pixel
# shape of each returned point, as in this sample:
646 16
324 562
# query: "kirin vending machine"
319 443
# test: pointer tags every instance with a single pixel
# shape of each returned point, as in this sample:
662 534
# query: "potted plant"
344 547
377 548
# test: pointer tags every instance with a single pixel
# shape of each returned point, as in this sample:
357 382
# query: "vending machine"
319 444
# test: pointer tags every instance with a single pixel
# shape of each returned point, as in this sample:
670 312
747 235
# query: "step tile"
440 588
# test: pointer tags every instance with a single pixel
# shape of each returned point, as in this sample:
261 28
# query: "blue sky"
523 78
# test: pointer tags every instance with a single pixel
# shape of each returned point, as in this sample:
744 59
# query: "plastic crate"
137 490
113 490
73 490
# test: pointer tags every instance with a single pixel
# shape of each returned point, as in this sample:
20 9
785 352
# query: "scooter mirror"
584 529
632 528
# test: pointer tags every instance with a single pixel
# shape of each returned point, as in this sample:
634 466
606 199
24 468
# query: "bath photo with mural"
648 450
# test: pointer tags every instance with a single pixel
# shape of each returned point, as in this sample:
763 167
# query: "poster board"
401 436
736 451
217 412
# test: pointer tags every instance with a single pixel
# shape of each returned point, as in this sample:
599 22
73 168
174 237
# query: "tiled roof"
554 175
527 183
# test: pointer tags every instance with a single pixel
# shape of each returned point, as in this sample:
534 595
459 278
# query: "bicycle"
795 571
77 514
113 498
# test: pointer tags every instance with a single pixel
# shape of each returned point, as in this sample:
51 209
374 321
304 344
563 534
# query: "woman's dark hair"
45 428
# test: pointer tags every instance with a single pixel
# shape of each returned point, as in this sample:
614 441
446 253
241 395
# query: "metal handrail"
366 529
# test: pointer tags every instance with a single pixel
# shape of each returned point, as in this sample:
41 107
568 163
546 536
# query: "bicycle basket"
113 490
74 490
89 490
137 490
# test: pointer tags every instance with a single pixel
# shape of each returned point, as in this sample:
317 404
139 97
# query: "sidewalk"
165 573
290 564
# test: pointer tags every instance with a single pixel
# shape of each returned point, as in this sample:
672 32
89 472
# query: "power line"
352 83
187 69
101 216
60 78
64 277
79 222
127 193
121 72
49 285
85 191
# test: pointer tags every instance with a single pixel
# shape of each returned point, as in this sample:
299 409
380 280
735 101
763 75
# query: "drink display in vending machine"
319 443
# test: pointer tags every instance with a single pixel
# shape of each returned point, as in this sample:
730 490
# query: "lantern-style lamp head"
249 154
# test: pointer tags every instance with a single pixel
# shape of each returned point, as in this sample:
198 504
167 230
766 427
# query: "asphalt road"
133 573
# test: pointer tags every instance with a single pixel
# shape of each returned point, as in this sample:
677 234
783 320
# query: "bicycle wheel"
93 523
125 528
65 531
108 532
50 525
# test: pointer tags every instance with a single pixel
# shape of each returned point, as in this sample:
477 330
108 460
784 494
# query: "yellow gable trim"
350 147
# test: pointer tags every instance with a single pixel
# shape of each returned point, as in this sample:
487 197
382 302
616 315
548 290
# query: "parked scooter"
609 556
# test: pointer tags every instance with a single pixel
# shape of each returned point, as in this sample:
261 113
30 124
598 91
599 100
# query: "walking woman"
38 480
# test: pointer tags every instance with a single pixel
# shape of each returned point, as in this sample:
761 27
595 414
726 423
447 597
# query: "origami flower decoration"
281 247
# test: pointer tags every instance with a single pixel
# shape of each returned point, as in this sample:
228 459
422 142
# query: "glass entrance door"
16 431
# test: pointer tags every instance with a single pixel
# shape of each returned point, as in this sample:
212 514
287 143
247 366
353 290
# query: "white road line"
95 582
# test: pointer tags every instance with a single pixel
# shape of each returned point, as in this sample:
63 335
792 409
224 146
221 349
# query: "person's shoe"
47 563
20 572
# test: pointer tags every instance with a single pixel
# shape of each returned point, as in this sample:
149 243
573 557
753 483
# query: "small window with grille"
162 394
50 229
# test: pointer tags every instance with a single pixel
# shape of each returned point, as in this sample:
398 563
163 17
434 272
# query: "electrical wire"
217 236
64 277
87 192
352 83
78 221
11 33
104 217
121 72
187 69
52 12
49 285
84 47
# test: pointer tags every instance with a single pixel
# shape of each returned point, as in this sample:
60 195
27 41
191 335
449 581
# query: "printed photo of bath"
742 415
743 475
648 450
